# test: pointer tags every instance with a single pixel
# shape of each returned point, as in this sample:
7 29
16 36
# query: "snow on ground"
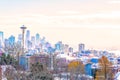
117 76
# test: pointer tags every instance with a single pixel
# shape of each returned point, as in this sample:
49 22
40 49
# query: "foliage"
39 72
12 74
0 73
105 70
76 67
12 49
7 60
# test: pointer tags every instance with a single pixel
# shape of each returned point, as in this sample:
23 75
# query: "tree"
39 71
7 60
77 68
12 74
105 70
0 73
55 64
13 49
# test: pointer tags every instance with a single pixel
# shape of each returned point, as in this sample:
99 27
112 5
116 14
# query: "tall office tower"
70 49
27 39
48 47
11 40
6 43
81 47
42 42
57 46
6 46
1 39
37 39
33 41
29 45
20 38
28 34
66 48
47 44
61 45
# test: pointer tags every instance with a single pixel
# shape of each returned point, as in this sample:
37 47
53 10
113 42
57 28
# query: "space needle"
23 32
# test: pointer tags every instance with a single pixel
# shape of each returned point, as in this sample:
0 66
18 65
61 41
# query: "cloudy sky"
93 22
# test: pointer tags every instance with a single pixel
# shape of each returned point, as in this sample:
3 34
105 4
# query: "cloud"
114 2
113 14
68 12
66 19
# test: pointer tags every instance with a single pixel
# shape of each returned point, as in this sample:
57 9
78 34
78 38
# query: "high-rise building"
37 39
20 38
66 48
70 49
1 39
28 35
42 41
47 45
29 45
81 47
27 39
11 40
33 41
57 46
50 50
61 45
6 43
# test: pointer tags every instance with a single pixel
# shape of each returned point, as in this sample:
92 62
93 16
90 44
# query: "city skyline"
53 40
92 22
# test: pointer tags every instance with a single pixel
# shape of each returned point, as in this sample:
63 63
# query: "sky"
95 23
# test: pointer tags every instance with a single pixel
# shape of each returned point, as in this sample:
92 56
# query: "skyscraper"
11 40
6 43
66 48
42 41
81 47
28 35
1 39
19 37
27 39
47 45
70 49
57 46
33 41
19 41
37 39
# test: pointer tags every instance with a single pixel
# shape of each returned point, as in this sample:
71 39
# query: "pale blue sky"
65 17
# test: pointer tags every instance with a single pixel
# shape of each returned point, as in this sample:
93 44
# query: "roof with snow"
65 56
